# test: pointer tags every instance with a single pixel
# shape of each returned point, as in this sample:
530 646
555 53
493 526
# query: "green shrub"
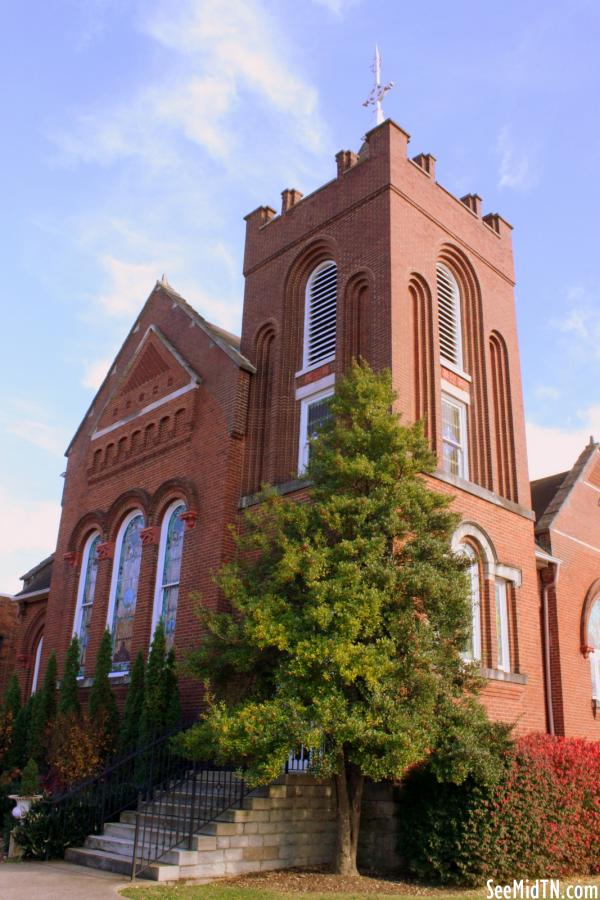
30 779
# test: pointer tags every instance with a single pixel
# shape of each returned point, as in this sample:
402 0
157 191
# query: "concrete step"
108 862
117 846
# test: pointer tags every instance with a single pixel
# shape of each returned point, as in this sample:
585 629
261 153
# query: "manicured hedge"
541 819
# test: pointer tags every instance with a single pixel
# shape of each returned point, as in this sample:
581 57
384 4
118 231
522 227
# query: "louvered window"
449 317
321 301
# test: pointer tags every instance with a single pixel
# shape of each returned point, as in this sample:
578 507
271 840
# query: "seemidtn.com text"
540 889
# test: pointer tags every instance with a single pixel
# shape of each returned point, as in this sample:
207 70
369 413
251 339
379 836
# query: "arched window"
320 315
124 588
85 596
473 651
593 636
36 665
170 553
449 317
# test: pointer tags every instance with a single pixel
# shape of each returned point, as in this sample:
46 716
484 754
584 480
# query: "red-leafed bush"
541 818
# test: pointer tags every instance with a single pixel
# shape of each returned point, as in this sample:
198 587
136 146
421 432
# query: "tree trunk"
349 788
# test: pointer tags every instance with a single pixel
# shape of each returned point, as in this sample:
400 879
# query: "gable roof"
229 343
37 579
550 493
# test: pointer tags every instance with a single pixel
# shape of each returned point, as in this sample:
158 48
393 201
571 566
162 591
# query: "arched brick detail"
135 498
290 350
174 489
425 404
590 598
474 361
479 541
92 521
355 331
260 409
26 650
506 467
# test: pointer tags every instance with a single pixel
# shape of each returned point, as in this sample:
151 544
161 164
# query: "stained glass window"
169 572
85 598
473 650
594 641
129 560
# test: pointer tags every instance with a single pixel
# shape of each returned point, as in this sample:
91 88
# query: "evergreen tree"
43 713
18 752
171 693
130 728
12 715
154 711
103 710
69 693
349 614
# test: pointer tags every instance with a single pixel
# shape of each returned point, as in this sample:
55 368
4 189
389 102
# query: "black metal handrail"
190 796
87 806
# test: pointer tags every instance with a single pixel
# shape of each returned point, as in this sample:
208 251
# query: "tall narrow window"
502 642
315 411
36 665
170 555
85 596
124 588
454 437
320 315
594 642
473 651
449 317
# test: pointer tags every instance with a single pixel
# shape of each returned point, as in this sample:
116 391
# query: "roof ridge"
566 485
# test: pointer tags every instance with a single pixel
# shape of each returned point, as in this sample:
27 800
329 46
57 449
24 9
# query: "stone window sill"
501 675
116 678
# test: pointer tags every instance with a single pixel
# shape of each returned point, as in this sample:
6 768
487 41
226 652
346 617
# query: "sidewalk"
56 881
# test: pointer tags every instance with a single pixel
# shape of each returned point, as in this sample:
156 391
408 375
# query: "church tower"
383 263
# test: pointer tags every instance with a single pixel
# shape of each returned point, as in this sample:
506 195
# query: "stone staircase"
288 823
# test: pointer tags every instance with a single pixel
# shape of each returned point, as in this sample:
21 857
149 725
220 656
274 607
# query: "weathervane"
379 91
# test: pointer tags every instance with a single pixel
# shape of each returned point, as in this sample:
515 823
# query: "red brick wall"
575 541
8 635
199 461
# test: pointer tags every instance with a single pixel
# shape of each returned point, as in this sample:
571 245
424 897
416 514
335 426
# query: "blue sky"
137 135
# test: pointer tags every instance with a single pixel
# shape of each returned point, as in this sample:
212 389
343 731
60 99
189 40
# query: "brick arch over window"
423 356
260 409
292 333
474 362
167 493
592 595
473 536
91 521
357 315
28 647
135 498
503 418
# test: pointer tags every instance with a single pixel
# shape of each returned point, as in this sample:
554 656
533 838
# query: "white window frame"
306 366
36 665
81 587
115 572
464 443
595 667
303 450
456 365
473 654
162 551
501 622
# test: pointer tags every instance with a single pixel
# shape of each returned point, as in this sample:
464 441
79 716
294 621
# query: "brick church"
380 262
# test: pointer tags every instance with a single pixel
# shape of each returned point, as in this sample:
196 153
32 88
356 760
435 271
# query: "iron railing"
188 797
86 807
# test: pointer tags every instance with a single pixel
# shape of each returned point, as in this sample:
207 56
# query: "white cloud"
222 49
130 284
547 392
40 434
516 169
337 7
95 373
27 534
554 449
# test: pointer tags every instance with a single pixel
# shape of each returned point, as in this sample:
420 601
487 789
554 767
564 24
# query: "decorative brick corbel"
71 557
106 550
586 650
150 535
23 660
189 518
